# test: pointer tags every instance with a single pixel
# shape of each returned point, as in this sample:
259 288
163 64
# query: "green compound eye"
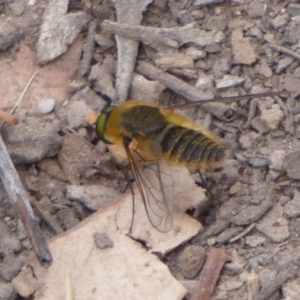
101 123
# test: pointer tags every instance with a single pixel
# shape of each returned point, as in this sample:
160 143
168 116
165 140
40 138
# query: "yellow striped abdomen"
190 147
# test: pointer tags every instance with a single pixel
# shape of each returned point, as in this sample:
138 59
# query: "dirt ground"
214 49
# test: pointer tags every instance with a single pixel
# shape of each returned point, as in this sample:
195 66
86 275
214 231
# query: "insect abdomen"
192 147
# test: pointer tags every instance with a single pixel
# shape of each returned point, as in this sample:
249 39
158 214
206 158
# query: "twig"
6 117
128 12
182 88
210 274
172 37
243 233
45 215
285 51
24 91
88 49
18 198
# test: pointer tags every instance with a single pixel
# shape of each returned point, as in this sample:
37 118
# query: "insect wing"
154 180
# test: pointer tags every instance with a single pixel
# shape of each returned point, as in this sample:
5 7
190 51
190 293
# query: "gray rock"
243 51
283 64
292 83
292 208
32 140
256 9
256 32
102 240
91 99
254 241
272 117
276 159
191 260
9 242
227 234
229 81
75 113
280 21
59 30
265 70
101 77
278 233
292 33
292 165
11 266
7 291
219 22
258 162
18 7
93 196
9 36
293 9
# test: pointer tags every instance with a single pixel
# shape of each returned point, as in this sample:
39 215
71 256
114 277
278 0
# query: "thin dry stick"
182 88
285 51
24 91
210 274
18 198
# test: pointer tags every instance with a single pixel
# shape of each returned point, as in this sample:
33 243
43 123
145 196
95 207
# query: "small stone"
254 241
176 60
272 117
243 51
9 36
229 81
104 41
7 291
292 33
204 83
231 284
292 208
276 159
195 53
45 106
216 23
292 165
292 83
18 7
11 266
198 14
256 9
221 67
278 233
283 64
191 260
227 234
293 9
237 187
266 276
280 21
92 196
102 240
258 162
32 141
291 290
265 70
256 32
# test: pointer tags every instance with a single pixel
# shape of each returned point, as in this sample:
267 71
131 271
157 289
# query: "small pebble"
102 240
45 106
